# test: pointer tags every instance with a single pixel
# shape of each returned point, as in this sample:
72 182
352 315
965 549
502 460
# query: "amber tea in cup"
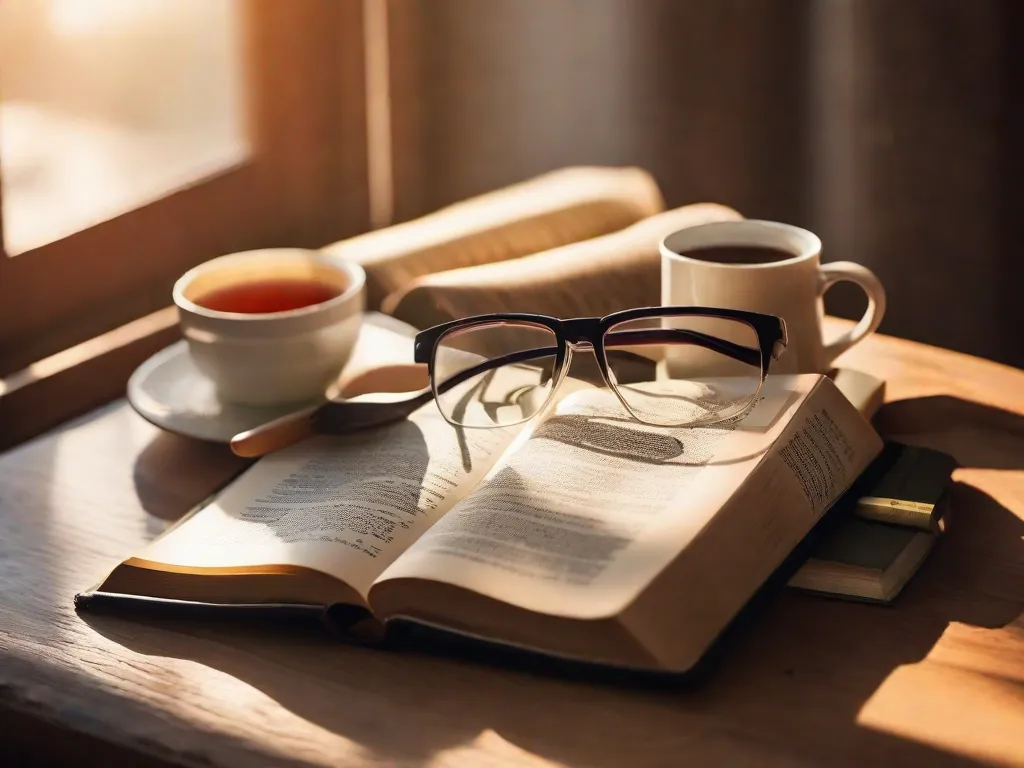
268 295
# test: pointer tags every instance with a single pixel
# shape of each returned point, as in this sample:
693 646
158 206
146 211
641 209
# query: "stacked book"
883 528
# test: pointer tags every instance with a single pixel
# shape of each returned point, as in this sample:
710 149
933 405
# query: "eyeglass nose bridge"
581 331
584 345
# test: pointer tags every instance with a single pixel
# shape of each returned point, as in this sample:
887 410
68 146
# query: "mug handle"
837 272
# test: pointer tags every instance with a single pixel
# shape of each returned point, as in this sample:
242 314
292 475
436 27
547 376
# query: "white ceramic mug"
790 283
272 358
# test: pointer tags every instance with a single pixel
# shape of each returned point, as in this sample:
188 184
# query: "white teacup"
271 357
765 266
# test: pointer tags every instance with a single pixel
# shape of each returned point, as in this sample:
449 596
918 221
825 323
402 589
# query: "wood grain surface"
937 678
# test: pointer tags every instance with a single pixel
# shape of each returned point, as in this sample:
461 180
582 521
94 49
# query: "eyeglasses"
668 366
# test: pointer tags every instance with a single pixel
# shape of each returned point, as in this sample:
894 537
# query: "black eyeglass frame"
570 333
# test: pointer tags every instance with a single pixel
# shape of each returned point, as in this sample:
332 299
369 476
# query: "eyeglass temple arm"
614 339
748 355
493 363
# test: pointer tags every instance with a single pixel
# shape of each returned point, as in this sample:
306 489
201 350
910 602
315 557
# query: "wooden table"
936 679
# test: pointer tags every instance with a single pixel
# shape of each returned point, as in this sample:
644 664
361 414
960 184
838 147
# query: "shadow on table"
166 459
789 680
977 435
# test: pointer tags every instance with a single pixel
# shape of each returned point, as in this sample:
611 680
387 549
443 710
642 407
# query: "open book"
592 277
582 534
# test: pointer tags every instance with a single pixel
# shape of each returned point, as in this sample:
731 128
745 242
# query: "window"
140 137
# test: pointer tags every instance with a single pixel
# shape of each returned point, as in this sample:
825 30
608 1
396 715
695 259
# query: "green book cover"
904 485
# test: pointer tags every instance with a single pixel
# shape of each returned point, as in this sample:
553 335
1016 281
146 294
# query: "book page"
580 517
346 505
552 209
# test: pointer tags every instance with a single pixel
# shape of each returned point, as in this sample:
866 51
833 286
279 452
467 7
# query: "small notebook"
865 560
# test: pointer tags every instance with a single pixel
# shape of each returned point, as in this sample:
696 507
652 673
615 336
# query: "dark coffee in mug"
738 254
769 267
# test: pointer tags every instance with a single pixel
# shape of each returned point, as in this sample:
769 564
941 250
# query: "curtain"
892 128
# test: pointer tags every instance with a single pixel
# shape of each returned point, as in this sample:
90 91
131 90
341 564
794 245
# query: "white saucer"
169 391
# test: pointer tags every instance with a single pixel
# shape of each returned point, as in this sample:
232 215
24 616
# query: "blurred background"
140 136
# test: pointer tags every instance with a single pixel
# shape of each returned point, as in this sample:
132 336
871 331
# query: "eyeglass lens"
674 371
503 373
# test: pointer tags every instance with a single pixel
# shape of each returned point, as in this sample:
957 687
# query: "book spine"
917 514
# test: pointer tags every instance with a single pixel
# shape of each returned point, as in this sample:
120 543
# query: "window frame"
303 184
